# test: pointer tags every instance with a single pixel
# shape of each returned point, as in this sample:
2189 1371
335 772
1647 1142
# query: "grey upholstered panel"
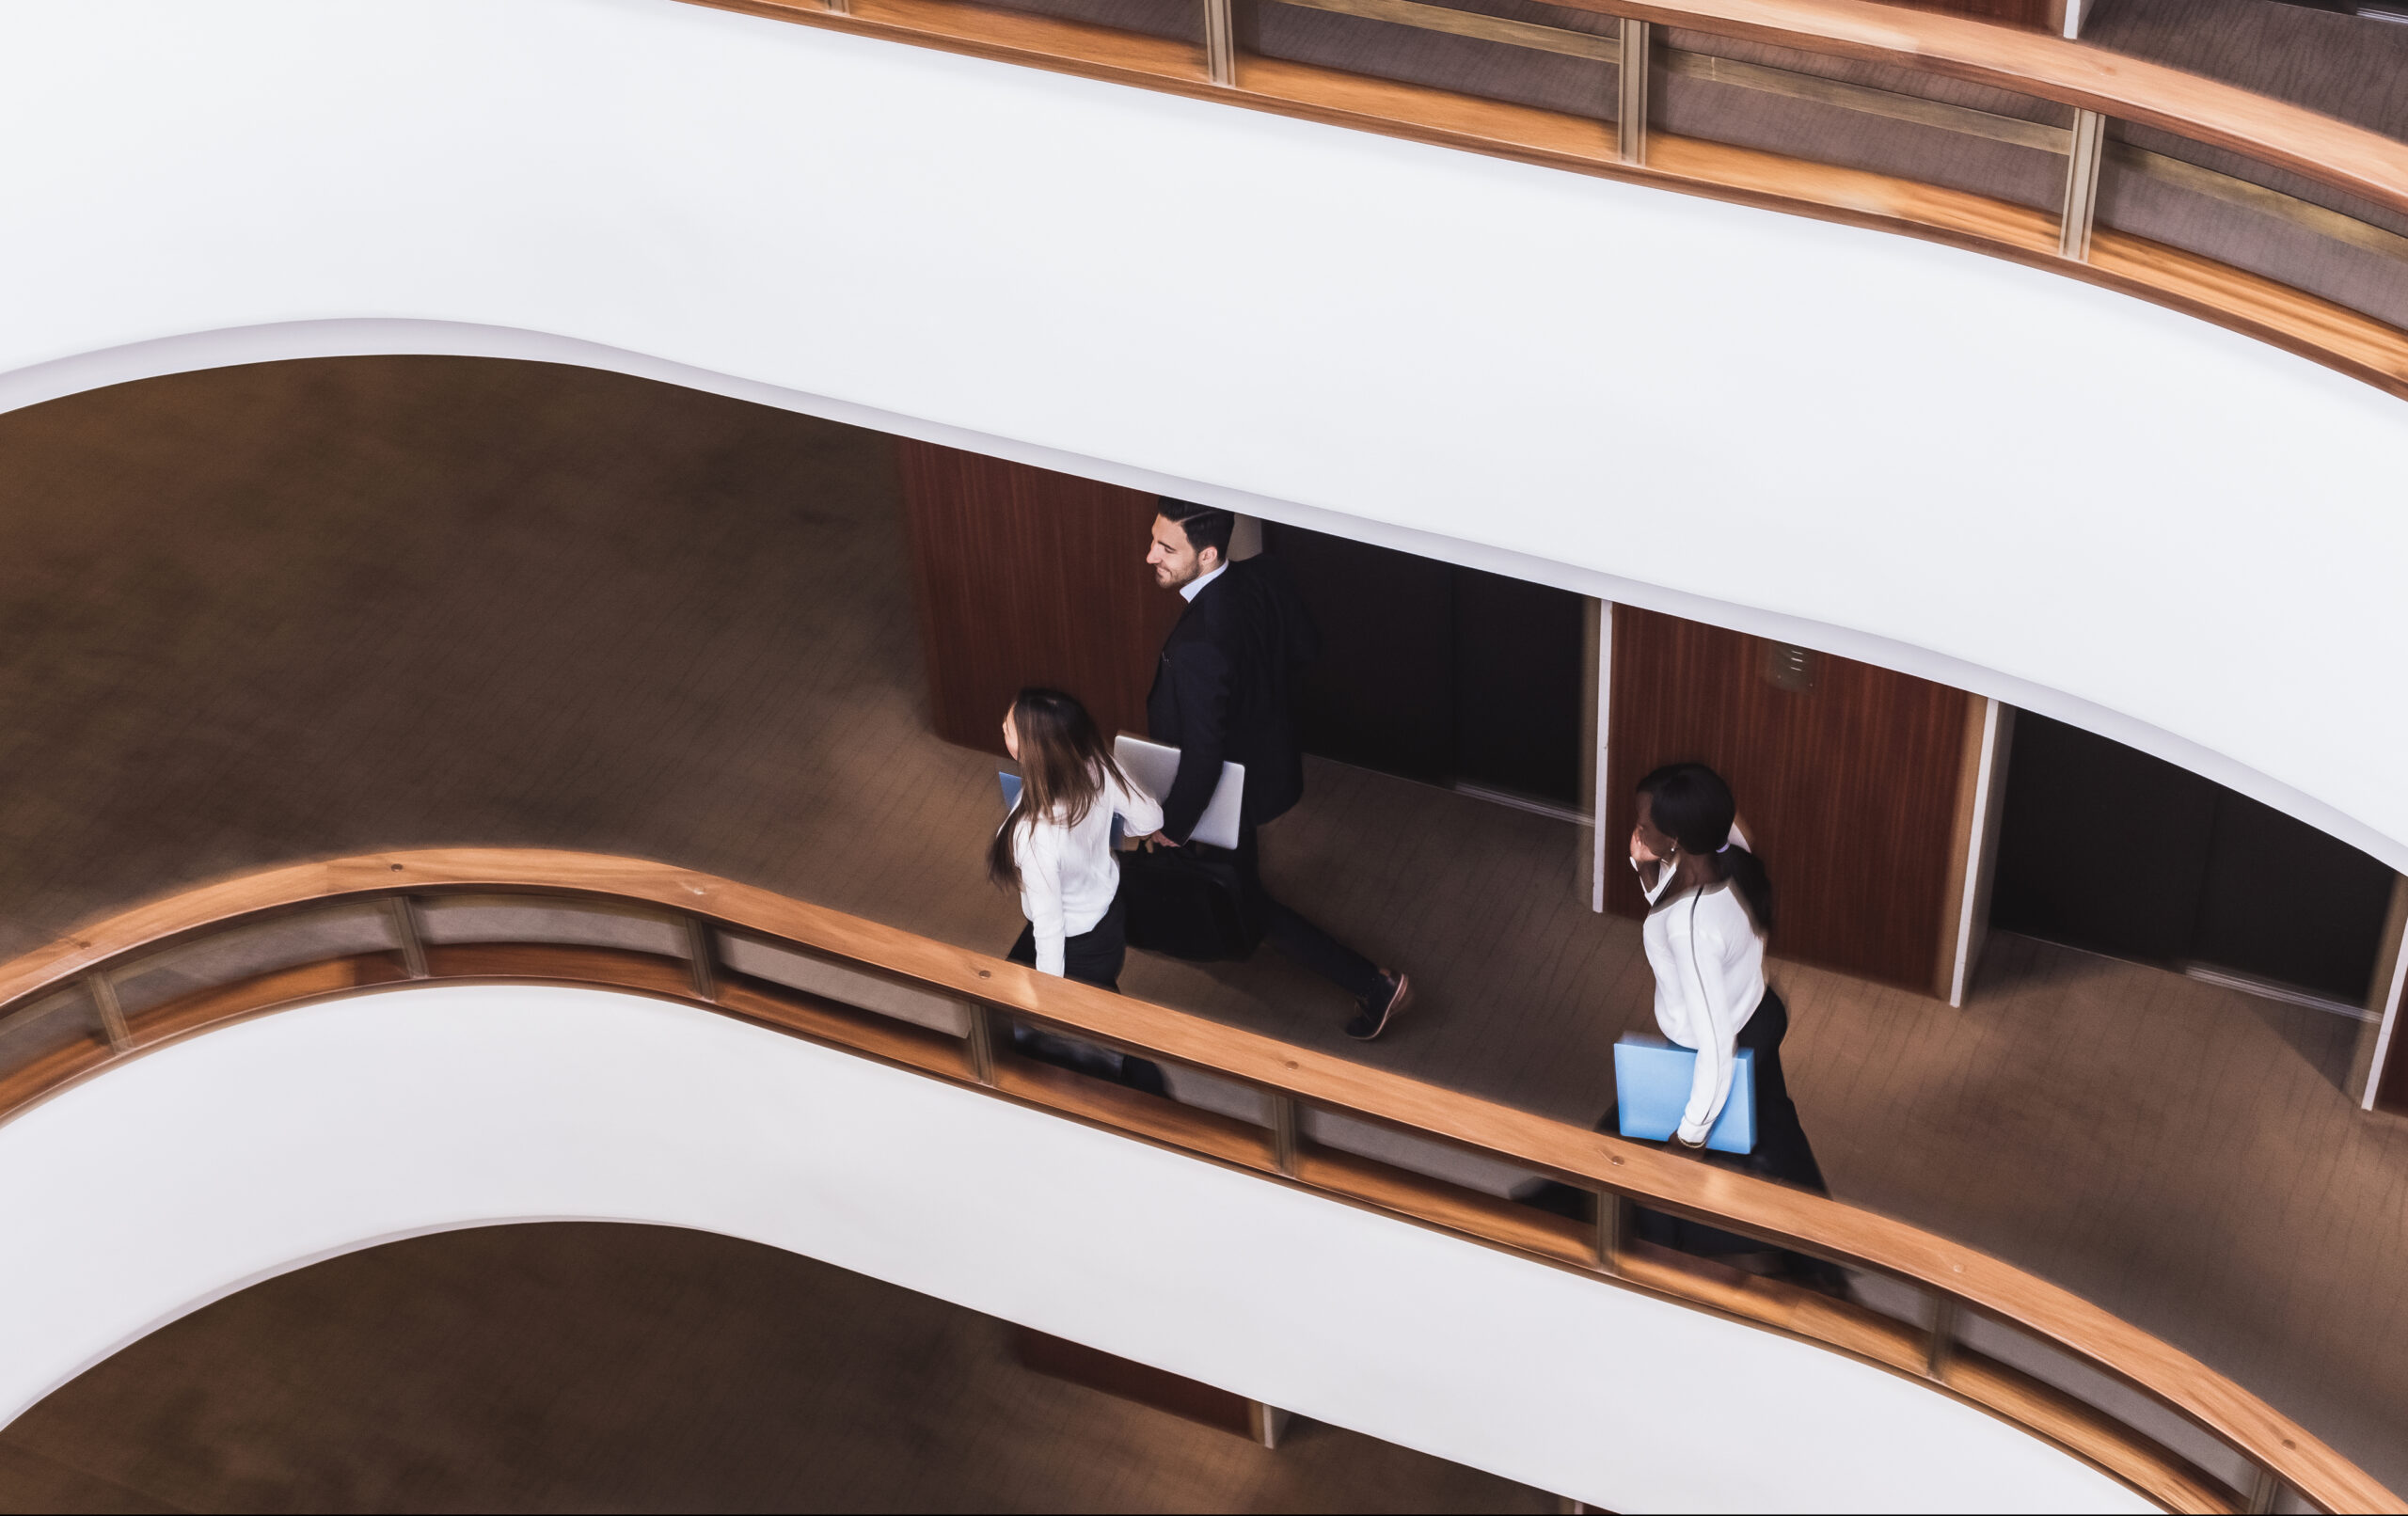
445 920
850 987
47 1025
1467 65
2349 67
1210 1092
1181 19
1419 1155
227 957
2246 238
1830 133
2053 1366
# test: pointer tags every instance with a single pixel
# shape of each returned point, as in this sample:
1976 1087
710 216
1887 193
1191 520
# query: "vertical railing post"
103 991
2265 1489
1220 42
982 1043
1630 106
2082 185
838 7
404 914
1283 1135
1613 1229
1943 1346
703 958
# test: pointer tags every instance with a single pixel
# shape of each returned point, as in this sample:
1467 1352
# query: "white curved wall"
220 1160
1966 468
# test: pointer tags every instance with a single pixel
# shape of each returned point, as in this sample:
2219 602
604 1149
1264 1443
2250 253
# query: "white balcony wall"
1973 471
217 1161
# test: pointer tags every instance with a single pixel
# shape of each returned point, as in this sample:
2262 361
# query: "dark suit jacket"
1224 690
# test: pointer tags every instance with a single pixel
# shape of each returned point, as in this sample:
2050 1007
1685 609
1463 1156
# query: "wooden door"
1850 778
1024 577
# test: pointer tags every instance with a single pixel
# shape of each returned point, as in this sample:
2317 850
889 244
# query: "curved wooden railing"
2303 243
1966 1323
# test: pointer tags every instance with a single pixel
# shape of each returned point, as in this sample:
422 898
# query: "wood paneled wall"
1852 790
1025 577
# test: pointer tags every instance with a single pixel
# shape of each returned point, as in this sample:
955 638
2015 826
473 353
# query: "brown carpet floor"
584 1366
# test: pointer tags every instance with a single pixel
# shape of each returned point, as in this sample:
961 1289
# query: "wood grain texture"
2369 166
1851 790
1022 577
1638 1170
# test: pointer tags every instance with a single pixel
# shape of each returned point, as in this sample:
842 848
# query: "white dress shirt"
1709 967
1194 587
1067 874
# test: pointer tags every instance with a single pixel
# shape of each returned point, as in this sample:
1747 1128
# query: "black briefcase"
1187 902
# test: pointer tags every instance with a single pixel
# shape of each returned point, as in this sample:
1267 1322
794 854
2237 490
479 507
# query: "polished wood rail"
2094 86
1972 1327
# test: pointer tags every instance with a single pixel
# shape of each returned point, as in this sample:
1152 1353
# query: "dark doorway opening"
1437 672
2103 846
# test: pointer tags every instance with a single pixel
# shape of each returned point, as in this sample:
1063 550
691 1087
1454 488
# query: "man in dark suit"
1223 692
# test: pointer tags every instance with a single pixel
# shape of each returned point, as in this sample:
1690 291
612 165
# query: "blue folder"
1651 1089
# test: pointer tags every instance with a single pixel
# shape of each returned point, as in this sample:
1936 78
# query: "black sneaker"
1371 1020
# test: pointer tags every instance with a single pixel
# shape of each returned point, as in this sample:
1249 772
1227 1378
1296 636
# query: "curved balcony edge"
2343 157
691 961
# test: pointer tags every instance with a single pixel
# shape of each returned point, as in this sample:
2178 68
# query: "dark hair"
1207 525
1063 761
1692 806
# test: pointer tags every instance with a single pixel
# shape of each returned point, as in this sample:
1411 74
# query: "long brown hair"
1063 762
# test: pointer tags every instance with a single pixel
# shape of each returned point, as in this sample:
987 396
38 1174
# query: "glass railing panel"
1532 55
2234 210
1865 115
1178 19
230 957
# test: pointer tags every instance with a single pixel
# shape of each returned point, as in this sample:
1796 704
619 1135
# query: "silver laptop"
1153 766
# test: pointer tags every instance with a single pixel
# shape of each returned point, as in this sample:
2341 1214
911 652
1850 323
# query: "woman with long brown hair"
1055 847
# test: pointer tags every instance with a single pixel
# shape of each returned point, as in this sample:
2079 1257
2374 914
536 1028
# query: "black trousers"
1092 958
1291 934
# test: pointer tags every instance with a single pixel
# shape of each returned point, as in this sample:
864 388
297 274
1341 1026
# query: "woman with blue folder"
1710 908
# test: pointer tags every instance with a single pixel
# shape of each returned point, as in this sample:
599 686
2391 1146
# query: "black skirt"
1783 1154
1092 958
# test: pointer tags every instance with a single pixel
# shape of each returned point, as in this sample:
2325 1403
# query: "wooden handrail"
2349 158
1607 1164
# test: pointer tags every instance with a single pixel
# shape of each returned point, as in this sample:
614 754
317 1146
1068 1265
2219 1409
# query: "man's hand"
1161 839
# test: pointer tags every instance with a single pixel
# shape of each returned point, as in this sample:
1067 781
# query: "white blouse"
1067 874
1709 967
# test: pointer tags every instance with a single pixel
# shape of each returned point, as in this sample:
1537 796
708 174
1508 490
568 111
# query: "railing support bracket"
2082 185
1630 104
